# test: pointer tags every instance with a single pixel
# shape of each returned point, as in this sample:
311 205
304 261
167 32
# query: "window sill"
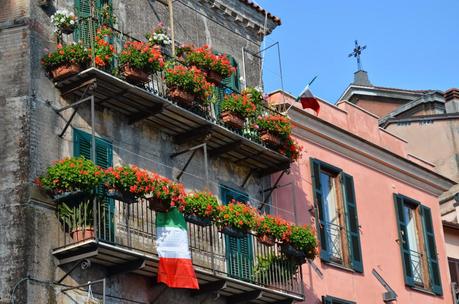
423 290
340 266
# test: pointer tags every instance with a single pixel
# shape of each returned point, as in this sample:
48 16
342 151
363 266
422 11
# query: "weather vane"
356 53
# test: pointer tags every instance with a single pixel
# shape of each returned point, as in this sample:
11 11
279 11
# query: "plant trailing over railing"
300 243
272 268
238 104
66 60
165 194
158 36
139 59
236 215
291 149
271 228
64 21
275 124
200 208
70 175
103 49
127 183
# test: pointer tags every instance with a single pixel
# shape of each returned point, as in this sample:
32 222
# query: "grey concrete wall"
29 128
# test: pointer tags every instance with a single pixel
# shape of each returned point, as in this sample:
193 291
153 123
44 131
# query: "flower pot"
214 77
291 252
64 71
266 240
233 232
79 233
181 96
123 196
159 205
73 197
197 220
270 139
232 120
135 75
67 30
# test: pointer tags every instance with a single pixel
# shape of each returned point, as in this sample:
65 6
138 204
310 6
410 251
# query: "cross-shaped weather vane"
356 53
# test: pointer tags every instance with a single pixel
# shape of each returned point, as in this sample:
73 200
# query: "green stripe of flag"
173 218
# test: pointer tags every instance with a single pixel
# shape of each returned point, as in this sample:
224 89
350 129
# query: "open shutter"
83 11
403 240
431 250
325 251
352 222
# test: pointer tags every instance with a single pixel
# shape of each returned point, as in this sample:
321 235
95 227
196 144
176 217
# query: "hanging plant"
67 60
291 149
270 229
273 129
158 36
104 51
200 208
236 219
165 194
235 108
139 59
71 179
127 183
299 243
64 21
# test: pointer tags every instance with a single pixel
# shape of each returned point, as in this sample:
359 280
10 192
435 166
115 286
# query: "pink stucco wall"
376 214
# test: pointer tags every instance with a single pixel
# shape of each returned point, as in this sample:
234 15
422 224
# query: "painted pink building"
375 208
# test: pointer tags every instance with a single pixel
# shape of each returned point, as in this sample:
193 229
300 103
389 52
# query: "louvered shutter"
83 12
403 240
327 300
352 222
325 252
431 250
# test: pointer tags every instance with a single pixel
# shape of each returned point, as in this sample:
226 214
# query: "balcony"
123 241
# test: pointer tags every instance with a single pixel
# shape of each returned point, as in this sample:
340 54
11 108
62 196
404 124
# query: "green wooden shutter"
325 252
83 11
327 300
352 222
431 250
403 240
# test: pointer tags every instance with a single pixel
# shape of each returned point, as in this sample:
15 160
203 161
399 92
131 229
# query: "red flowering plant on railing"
271 228
275 123
70 175
205 59
142 56
188 79
165 193
127 183
302 239
66 55
291 149
203 205
103 49
237 215
240 105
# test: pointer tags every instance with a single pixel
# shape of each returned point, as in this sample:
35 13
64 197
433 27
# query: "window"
336 214
83 11
333 300
228 85
454 270
417 244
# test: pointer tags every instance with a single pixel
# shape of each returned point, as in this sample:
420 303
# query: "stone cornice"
328 136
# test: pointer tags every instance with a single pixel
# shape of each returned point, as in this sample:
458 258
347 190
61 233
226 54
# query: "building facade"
375 208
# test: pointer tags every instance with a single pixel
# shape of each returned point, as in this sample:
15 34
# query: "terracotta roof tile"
262 10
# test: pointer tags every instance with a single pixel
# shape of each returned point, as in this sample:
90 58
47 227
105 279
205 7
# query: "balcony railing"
128 228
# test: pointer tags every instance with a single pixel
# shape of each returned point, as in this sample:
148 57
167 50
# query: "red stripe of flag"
177 273
308 101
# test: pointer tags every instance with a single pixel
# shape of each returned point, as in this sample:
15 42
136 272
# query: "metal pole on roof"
171 21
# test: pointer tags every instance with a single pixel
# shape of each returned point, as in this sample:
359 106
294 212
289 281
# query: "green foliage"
276 124
238 104
272 226
142 56
73 217
205 59
71 174
66 55
272 268
238 215
202 204
128 179
303 239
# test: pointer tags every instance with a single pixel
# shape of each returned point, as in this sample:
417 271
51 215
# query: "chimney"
452 100
361 78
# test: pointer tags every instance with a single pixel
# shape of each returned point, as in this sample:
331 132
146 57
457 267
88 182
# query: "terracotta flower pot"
159 205
126 197
232 120
233 232
214 77
197 220
79 234
64 71
266 240
270 139
135 75
181 96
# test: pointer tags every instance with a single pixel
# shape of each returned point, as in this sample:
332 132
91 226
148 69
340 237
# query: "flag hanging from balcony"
308 101
175 265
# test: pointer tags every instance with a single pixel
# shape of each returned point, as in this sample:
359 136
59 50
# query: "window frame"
334 300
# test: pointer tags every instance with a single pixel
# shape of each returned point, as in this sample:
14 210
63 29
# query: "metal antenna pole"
171 21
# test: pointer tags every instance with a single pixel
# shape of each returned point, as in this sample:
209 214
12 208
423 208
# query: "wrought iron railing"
334 239
416 259
132 227
157 86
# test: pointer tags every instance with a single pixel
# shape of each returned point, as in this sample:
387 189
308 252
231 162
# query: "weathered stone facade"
29 129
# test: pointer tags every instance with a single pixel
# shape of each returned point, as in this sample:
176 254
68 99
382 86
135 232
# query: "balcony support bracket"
193 153
210 287
271 189
201 133
246 179
126 267
245 297
84 264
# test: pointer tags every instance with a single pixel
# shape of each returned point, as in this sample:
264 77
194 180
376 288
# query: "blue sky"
410 44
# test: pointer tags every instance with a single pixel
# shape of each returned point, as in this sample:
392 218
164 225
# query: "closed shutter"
325 252
352 222
431 250
227 86
83 12
239 252
104 158
403 240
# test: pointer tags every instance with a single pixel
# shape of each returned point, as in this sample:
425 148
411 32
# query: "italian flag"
175 265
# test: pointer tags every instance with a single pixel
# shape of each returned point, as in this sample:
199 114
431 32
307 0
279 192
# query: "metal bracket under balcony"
120 259
184 125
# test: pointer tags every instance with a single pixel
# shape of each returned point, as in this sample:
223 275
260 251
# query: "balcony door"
239 253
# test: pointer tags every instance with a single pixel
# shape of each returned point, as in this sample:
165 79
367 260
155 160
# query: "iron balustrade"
417 261
132 227
334 239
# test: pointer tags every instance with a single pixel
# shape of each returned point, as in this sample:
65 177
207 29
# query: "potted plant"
164 194
273 129
158 36
71 179
104 51
299 244
66 61
64 21
187 84
235 108
291 149
127 183
271 269
236 219
78 219
217 67
270 229
139 59
200 208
